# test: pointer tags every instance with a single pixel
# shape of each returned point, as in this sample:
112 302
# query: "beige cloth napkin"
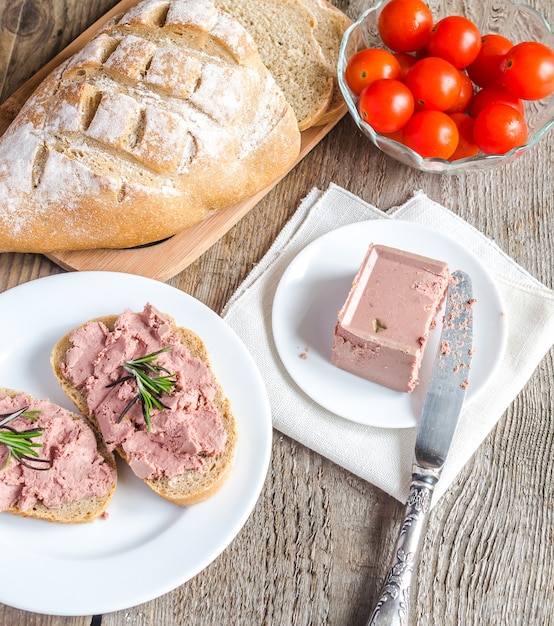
379 455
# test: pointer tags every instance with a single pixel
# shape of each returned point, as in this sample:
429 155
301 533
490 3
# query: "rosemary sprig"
20 443
151 379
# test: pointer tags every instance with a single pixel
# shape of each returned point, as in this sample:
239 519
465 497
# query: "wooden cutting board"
165 259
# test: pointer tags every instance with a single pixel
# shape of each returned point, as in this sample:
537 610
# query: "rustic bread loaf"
69 511
284 31
167 115
191 486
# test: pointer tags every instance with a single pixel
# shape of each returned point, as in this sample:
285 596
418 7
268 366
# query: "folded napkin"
379 455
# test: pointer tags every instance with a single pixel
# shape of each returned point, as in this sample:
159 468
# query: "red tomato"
493 95
499 128
406 61
386 105
466 144
404 25
368 65
485 70
465 96
528 70
435 84
431 134
456 39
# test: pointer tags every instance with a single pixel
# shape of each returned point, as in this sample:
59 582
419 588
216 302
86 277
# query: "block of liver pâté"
384 325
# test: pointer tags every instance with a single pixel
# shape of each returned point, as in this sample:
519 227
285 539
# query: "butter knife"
441 409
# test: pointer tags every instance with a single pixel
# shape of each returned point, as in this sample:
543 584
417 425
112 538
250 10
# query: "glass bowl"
517 22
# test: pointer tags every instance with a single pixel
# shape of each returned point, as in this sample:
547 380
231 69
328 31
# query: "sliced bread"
331 23
284 31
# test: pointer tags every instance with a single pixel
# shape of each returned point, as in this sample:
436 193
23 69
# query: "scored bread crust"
166 116
192 486
80 511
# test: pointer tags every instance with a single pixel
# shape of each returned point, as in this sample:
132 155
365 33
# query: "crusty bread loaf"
284 31
79 511
167 115
192 486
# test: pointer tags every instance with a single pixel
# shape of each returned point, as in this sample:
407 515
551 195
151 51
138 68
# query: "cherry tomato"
406 61
466 144
386 105
404 25
493 95
456 39
431 134
465 96
485 70
499 128
528 70
435 84
368 65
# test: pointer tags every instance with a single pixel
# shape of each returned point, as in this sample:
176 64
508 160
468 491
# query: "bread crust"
166 116
193 486
78 512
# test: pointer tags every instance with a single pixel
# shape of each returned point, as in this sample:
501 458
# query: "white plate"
147 546
315 286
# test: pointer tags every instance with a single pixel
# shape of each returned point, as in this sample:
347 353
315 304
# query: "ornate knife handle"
393 604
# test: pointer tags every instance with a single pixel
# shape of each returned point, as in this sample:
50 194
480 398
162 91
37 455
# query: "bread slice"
329 29
192 486
166 116
284 31
331 24
70 512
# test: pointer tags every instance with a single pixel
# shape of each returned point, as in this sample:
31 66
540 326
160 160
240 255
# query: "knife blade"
442 406
449 376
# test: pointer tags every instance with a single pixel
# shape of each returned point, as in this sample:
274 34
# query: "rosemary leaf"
20 443
152 381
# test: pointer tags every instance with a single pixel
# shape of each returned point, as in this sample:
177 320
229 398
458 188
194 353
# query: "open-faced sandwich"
148 387
53 466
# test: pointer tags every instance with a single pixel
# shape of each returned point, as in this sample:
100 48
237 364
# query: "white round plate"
314 288
147 546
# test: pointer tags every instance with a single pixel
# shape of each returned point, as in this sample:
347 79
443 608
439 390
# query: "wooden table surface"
319 540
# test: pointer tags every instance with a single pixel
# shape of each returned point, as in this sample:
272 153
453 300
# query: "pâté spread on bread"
185 431
68 479
383 327
167 115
